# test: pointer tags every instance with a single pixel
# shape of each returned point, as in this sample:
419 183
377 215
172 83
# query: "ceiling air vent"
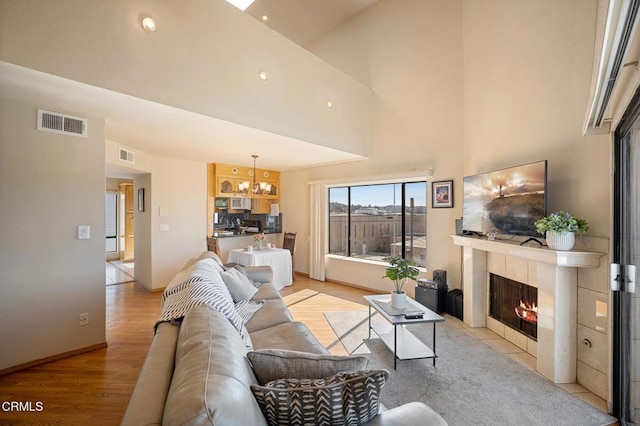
126 156
61 123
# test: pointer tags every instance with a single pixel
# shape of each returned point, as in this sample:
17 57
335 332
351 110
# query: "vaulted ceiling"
165 130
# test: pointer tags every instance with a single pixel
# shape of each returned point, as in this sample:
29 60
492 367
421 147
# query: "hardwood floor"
94 388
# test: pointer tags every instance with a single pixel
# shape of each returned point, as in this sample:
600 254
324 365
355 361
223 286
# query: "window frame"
403 209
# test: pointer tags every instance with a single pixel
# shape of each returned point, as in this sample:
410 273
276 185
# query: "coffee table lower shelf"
402 342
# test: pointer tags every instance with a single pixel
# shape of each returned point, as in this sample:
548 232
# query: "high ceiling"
303 21
166 131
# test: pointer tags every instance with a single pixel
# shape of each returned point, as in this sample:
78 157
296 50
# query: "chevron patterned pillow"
344 399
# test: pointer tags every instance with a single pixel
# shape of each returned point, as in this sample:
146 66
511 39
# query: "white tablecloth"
279 260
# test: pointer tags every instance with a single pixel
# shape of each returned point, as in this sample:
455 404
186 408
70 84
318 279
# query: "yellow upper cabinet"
238 181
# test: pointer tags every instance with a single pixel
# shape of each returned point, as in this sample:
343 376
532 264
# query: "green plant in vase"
398 271
559 229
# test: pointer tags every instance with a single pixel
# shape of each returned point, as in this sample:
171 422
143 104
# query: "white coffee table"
394 333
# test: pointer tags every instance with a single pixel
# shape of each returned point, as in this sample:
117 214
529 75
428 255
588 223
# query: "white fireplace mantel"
531 251
553 273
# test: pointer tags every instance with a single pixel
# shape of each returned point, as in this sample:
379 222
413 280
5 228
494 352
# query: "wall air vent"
126 156
61 123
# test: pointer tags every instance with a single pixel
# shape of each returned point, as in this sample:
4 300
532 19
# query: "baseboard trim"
148 290
51 358
359 287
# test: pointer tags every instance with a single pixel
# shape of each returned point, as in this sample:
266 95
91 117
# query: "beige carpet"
472 384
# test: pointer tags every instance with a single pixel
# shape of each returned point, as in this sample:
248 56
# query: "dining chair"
289 243
213 245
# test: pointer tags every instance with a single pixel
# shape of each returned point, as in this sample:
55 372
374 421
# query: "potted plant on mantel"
398 271
560 228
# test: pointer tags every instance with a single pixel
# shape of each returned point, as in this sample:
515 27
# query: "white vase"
398 300
560 240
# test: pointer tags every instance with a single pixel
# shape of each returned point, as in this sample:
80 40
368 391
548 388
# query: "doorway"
119 226
626 252
126 223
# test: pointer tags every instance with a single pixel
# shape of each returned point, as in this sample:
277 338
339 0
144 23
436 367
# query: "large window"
374 221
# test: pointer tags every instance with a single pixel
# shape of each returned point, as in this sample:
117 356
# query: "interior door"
626 254
128 249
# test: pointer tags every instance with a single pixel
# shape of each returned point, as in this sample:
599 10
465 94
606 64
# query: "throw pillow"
201 290
344 398
238 284
272 364
256 284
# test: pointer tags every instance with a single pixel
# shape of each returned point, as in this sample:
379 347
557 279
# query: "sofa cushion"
344 398
238 284
267 291
214 257
272 364
212 376
257 274
248 308
293 336
273 312
197 290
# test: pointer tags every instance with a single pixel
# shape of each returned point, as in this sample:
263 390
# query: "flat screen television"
506 201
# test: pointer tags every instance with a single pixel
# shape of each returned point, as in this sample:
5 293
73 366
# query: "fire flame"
527 312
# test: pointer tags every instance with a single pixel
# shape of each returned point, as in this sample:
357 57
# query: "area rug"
471 384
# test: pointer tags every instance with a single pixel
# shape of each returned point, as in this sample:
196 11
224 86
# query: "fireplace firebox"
514 304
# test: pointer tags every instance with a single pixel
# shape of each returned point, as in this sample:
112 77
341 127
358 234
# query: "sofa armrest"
261 274
411 414
146 406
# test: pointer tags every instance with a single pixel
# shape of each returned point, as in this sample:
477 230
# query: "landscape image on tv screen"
506 201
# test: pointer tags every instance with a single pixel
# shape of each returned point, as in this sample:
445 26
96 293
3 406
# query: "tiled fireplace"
555 276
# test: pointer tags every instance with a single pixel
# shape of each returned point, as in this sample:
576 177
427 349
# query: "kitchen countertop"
223 233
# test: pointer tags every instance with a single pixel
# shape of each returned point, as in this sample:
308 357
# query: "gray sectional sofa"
197 371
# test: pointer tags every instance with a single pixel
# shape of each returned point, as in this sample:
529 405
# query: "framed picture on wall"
442 194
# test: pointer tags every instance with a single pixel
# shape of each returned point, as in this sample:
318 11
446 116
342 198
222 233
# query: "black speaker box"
450 307
440 276
432 297
459 307
459 226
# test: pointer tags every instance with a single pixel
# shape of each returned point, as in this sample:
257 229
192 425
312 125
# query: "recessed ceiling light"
263 75
149 24
241 4
329 104
265 18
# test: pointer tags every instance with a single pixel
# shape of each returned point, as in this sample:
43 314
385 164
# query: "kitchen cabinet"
225 181
228 180
261 205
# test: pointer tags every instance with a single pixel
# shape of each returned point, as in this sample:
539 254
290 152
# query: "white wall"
181 187
410 52
49 184
527 79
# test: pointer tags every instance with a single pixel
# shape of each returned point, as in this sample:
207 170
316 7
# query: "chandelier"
257 187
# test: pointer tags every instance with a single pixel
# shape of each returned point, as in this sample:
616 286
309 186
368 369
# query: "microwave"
241 203
222 203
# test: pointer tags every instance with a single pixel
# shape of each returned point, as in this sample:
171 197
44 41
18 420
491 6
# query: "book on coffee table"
386 306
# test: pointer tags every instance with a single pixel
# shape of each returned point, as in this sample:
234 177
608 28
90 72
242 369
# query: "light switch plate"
84 232
164 211
164 227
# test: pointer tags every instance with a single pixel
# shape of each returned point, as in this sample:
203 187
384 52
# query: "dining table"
279 260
